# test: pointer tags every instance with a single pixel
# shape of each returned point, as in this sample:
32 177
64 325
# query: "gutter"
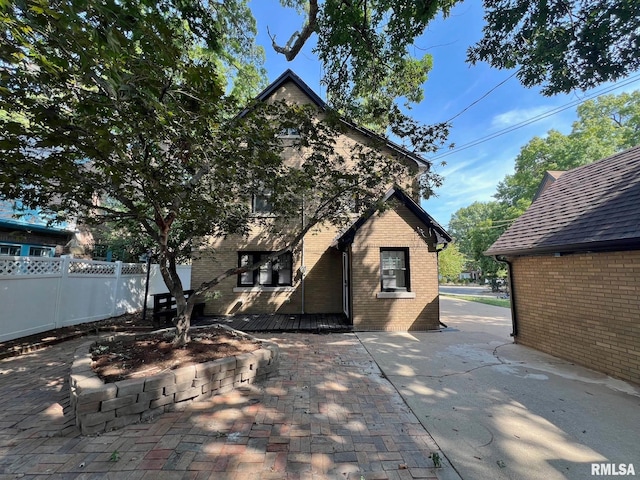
514 312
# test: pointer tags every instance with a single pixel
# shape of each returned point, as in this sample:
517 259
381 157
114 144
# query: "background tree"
606 125
451 262
561 45
123 112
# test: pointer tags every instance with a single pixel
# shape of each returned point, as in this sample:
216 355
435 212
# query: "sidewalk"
329 414
504 411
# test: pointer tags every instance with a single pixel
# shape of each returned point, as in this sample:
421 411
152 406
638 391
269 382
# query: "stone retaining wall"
100 407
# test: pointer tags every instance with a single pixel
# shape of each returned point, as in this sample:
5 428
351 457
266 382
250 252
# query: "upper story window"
290 132
261 203
276 273
394 270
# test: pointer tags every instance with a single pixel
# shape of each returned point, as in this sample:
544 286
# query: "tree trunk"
182 324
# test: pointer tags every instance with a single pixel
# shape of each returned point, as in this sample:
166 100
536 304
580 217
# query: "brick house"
574 259
381 272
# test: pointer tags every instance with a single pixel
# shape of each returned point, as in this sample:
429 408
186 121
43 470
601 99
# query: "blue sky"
471 174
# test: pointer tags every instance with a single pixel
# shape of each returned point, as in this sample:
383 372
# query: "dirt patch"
141 356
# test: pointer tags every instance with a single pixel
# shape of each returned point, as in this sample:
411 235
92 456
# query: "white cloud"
518 115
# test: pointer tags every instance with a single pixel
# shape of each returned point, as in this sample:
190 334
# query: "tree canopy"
561 45
123 112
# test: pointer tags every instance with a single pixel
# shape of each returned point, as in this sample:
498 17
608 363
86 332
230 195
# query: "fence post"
116 288
62 284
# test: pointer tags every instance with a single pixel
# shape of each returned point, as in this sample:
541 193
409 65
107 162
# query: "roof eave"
624 244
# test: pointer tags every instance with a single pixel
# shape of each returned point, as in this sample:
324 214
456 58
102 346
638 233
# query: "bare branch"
298 39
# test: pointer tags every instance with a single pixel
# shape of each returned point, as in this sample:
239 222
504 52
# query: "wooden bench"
164 305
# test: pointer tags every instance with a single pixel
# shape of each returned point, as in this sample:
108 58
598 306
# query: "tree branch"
298 39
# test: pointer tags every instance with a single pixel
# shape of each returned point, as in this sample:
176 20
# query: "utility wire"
524 123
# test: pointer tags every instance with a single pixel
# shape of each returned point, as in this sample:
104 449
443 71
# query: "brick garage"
575 266
586 309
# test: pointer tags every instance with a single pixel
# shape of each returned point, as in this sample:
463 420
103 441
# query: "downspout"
514 313
303 268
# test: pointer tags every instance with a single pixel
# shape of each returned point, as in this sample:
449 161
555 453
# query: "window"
276 273
12 250
261 203
289 132
40 252
394 270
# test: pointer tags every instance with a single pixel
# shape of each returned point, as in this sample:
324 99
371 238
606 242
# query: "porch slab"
278 323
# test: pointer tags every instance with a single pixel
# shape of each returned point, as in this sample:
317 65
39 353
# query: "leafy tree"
607 125
123 112
477 226
561 45
364 49
451 262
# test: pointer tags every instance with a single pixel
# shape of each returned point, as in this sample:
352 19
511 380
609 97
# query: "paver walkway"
328 414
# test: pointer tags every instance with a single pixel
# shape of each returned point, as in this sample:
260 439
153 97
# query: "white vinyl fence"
38 293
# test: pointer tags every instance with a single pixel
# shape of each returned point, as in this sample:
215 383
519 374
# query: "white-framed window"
276 273
394 269
10 250
40 252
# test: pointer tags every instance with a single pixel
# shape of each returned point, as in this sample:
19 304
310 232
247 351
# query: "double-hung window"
275 273
394 270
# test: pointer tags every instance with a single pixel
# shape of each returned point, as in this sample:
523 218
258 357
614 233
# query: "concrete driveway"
503 411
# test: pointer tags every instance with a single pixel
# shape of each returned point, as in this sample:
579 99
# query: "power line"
524 123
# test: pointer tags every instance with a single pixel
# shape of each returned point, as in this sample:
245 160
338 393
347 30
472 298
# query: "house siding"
396 227
583 308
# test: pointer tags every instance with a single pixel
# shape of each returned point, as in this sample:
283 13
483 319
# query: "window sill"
262 289
396 295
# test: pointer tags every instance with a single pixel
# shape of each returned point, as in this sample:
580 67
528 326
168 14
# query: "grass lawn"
498 302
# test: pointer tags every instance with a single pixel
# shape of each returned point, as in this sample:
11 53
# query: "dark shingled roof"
595 207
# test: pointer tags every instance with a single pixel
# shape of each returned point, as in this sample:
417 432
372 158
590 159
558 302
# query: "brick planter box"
100 407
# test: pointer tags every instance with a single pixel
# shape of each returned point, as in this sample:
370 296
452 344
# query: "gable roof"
440 233
595 207
290 76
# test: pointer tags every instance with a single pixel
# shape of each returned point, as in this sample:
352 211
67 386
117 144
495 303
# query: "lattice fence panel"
79 267
133 268
29 266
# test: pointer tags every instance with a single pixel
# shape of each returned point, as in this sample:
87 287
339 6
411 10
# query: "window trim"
407 270
275 277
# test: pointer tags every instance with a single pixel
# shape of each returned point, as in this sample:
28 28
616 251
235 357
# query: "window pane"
265 275
283 267
246 278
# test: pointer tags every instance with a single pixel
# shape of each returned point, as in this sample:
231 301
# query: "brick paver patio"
328 414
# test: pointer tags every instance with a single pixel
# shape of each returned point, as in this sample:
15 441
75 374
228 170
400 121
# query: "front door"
345 284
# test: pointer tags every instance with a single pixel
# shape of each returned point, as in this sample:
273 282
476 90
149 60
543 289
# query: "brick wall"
584 308
396 227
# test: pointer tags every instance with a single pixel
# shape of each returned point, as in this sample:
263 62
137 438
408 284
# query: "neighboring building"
30 235
381 272
574 260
